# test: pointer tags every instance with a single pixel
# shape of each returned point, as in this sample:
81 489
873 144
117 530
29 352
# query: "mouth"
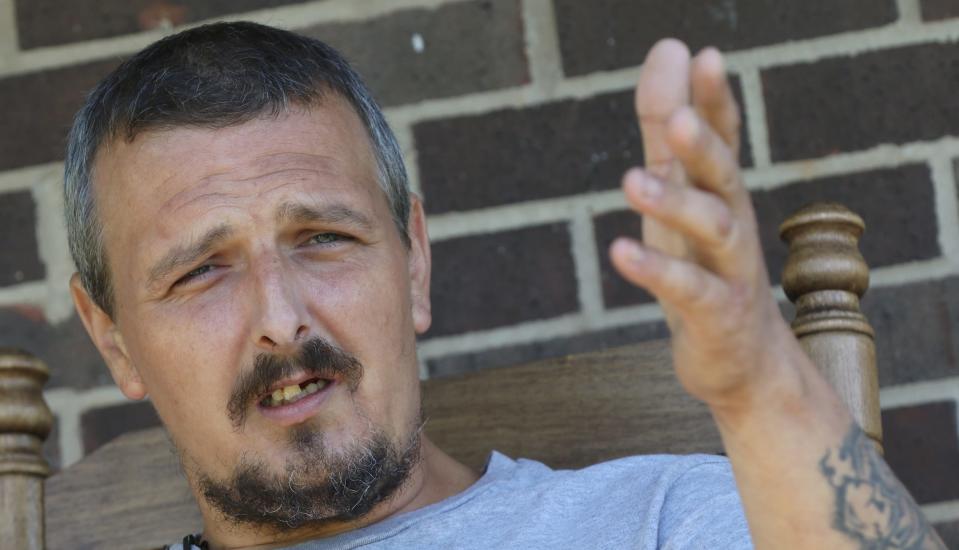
291 393
296 400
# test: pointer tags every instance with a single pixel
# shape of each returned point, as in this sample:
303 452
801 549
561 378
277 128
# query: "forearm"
808 476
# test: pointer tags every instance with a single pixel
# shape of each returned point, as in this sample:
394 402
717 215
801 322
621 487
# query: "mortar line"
947 206
53 249
909 13
941 512
916 393
542 45
586 264
502 218
32 293
537 331
71 440
754 107
422 367
404 137
911 272
18 179
9 41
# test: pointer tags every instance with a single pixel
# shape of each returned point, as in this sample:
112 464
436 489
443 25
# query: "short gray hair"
213 76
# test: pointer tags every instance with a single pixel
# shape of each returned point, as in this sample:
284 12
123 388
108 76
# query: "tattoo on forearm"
871 505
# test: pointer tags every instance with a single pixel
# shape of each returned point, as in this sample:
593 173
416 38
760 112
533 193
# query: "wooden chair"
566 412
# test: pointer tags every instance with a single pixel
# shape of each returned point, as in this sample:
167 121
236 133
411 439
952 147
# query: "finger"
708 161
663 87
677 284
697 215
713 97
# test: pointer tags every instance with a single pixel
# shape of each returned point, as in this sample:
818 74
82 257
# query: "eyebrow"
188 253
332 214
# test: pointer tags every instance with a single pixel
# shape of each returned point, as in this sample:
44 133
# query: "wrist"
785 385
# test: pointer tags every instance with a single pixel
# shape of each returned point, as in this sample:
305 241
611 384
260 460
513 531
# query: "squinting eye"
198 272
326 238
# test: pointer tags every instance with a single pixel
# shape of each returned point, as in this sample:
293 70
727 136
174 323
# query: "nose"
282 323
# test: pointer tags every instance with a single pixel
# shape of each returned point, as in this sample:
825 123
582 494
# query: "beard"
316 486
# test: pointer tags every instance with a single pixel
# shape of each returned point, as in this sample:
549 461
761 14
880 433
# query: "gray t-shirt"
641 502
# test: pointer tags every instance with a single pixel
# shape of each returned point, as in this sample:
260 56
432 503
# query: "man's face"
234 247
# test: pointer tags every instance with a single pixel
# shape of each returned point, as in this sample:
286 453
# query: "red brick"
499 279
101 425
514 155
609 34
949 531
922 448
53 22
616 290
917 330
64 347
467 47
850 103
20 261
933 10
39 109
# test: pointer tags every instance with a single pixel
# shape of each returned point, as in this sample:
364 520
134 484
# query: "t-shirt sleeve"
702 509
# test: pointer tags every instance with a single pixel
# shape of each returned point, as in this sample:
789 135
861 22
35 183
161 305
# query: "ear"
108 340
419 264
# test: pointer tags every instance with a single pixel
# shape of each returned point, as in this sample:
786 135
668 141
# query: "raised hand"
785 431
700 256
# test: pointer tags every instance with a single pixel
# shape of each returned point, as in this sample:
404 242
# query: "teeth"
290 391
293 393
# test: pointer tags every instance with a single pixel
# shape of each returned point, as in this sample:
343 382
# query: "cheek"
367 311
362 301
189 358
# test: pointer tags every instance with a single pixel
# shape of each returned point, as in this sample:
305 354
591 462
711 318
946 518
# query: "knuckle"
723 220
696 288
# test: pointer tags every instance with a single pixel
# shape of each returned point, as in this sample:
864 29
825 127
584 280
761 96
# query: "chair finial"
824 254
25 421
824 276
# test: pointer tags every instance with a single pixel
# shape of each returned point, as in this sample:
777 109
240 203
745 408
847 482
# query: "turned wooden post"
825 275
25 421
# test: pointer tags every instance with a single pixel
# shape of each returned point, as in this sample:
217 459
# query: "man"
250 258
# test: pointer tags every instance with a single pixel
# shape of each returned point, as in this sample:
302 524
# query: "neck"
435 477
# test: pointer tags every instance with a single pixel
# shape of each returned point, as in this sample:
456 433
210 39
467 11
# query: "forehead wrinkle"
182 199
295 212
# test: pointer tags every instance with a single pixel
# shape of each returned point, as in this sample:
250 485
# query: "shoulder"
652 501
651 482
645 470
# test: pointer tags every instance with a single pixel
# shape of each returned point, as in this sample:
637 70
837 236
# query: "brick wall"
515 116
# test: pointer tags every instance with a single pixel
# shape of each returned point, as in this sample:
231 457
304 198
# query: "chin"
316 480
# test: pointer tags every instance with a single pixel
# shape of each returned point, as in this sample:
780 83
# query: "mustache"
316 357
